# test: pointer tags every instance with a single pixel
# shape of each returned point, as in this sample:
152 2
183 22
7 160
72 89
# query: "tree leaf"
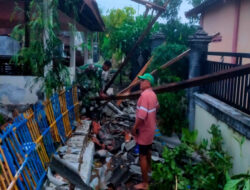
232 184
247 184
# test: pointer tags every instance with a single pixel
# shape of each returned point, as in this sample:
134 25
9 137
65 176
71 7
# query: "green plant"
193 166
189 137
123 30
172 112
43 56
241 142
241 181
238 182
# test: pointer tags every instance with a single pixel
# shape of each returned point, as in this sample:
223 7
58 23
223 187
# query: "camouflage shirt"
89 79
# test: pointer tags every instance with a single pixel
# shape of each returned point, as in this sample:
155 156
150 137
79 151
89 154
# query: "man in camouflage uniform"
90 79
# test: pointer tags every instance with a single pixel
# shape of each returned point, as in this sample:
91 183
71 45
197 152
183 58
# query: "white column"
86 48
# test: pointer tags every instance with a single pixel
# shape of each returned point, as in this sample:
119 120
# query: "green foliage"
180 169
90 84
172 111
165 53
172 9
43 57
177 32
241 181
238 182
241 142
122 31
189 137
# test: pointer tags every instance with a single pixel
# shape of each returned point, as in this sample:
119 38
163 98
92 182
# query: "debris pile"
116 160
102 153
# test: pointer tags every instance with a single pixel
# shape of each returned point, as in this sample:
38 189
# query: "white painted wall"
241 160
17 90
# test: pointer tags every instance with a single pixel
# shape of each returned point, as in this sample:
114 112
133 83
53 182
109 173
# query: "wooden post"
86 53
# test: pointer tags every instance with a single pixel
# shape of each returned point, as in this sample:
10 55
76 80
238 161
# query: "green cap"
148 77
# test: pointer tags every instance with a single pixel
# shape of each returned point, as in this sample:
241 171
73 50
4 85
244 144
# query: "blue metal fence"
30 141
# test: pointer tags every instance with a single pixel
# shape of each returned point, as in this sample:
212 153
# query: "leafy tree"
110 44
123 30
177 32
172 8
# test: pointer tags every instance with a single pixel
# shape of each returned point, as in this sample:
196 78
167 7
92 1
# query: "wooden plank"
172 61
197 81
135 81
164 66
153 5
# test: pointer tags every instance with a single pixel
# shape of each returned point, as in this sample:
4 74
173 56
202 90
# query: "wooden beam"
166 65
171 62
153 5
197 81
135 81
145 32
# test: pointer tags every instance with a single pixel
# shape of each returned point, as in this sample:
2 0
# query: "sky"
105 5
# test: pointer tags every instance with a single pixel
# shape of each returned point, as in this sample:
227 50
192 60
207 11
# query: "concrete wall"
223 19
203 121
244 29
16 90
8 46
220 19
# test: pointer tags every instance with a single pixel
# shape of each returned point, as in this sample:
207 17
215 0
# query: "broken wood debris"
150 4
119 167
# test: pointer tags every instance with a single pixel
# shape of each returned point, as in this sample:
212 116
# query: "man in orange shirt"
145 125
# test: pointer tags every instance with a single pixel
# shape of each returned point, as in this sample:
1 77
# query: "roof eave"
201 8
